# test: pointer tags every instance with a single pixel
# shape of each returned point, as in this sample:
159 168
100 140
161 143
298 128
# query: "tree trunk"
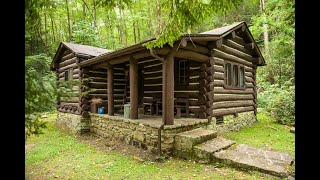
69 23
265 29
52 26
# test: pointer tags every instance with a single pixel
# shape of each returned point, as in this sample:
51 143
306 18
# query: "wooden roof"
212 35
85 49
79 50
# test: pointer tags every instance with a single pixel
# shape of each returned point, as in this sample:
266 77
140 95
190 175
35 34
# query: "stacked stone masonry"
146 135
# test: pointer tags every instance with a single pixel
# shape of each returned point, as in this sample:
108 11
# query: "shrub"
279 100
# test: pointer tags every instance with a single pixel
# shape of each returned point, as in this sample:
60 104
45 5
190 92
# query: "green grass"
59 155
265 134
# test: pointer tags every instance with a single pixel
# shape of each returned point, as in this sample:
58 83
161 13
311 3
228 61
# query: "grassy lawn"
59 155
265 134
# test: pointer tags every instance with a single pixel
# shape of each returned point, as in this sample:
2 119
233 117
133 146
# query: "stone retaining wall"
137 134
144 135
233 123
75 123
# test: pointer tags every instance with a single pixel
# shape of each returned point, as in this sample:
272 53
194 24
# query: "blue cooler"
100 110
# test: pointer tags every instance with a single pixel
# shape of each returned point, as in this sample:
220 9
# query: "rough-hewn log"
153 68
222 112
210 71
84 101
218 68
249 69
209 111
85 107
186 54
223 54
237 53
249 74
191 94
124 58
194 109
210 95
218 83
230 104
203 75
190 87
203 67
249 45
218 61
249 79
134 88
202 99
202 108
203 82
193 102
202 115
215 44
210 86
194 72
67 62
67 67
239 47
168 88
202 90
96 85
98 79
197 48
232 97
68 56
210 78
85 114
218 75
184 42
153 75
110 90
210 62
221 90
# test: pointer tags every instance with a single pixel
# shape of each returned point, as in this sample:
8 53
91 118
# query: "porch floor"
156 121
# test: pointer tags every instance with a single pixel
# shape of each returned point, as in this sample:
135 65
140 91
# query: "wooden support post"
133 88
110 91
168 89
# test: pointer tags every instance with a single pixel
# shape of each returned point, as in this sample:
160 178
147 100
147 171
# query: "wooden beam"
191 55
196 48
133 88
168 88
215 44
110 91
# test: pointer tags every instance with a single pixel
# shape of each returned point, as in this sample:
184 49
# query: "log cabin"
206 75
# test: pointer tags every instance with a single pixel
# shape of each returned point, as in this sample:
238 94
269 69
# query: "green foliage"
57 155
39 92
85 33
184 15
279 100
266 134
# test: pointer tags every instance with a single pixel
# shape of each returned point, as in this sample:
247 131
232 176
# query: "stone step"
186 140
203 152
250 158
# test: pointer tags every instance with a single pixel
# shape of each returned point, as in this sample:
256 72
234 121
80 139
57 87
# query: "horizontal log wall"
69 104
228 101
153 83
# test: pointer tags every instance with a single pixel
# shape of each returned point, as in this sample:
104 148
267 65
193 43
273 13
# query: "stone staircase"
203 145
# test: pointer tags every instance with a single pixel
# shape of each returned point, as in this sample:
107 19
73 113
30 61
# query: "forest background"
113 24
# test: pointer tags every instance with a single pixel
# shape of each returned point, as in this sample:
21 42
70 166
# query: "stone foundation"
75 123
233 123
137 134
144 135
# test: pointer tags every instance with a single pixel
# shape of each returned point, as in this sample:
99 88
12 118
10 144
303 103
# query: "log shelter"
214 70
